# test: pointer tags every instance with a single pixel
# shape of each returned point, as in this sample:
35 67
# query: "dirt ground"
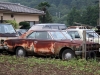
20 68
13 69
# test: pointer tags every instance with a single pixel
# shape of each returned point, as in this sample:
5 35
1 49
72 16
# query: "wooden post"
84 45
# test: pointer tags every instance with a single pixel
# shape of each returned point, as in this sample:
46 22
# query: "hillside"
59 8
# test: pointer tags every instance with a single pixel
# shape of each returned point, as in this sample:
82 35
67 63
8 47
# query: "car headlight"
2 41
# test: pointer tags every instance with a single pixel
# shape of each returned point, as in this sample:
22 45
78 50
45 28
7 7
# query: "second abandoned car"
47 42
6 32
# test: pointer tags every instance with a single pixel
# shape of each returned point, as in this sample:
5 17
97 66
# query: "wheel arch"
64 48
16 48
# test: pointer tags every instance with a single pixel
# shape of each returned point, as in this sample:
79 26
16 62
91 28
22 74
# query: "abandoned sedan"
44 42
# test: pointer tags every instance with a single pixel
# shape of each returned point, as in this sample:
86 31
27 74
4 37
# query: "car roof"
50 24
80 27
46 30
77 29
40 26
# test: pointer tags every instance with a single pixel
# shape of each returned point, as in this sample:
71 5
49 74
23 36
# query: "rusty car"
46 43
7 31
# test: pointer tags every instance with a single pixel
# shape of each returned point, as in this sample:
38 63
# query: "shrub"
24 25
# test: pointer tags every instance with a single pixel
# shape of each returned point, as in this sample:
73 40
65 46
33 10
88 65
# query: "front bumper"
3 47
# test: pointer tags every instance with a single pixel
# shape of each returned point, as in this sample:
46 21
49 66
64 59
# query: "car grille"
92 46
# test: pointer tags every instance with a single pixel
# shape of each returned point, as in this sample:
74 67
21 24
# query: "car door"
42 43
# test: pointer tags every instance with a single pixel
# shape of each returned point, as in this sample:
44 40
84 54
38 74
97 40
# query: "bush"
13 22
24 25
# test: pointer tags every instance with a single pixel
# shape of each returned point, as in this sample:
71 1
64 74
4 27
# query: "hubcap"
68 56
20 53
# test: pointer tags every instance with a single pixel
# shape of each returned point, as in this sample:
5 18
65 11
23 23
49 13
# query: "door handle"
35 42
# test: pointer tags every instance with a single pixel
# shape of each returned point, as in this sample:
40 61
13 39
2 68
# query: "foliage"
24 25
88 16
43 6
73 16
91 15
43 66
47 17
13 22
63 7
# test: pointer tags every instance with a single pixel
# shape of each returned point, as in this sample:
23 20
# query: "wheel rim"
68 56
20 52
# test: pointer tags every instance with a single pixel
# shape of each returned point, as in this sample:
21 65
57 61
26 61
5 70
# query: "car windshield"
57 35
91 34
67 35
7 29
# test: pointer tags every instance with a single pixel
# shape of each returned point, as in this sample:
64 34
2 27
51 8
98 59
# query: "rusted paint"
25 34
47 47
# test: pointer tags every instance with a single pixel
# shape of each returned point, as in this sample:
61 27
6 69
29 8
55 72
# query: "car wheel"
20 52
90 55
68 54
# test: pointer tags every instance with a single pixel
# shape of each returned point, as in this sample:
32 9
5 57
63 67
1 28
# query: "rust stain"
46 47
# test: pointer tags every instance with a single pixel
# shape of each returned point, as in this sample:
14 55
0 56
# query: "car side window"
32 35
74 34
46 27
54 27
43 35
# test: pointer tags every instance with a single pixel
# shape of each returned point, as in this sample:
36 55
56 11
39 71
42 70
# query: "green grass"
75 67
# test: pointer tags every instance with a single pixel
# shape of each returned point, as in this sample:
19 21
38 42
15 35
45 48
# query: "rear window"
54 27
62 27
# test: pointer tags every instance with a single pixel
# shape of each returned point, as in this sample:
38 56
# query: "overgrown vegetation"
47 17
24 25
10 65
13 22
89 16
60 9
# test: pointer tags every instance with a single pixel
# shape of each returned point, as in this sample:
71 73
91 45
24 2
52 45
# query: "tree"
47 17
13 22
91 15
73 16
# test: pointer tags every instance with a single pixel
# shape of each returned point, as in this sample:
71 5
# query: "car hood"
8 35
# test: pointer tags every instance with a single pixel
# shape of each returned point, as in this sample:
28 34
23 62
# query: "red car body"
53 44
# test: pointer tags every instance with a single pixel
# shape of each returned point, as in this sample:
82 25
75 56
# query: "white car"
57 26
91 35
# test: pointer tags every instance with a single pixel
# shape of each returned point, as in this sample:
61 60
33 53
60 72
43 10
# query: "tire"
90 55
20 52
68 54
